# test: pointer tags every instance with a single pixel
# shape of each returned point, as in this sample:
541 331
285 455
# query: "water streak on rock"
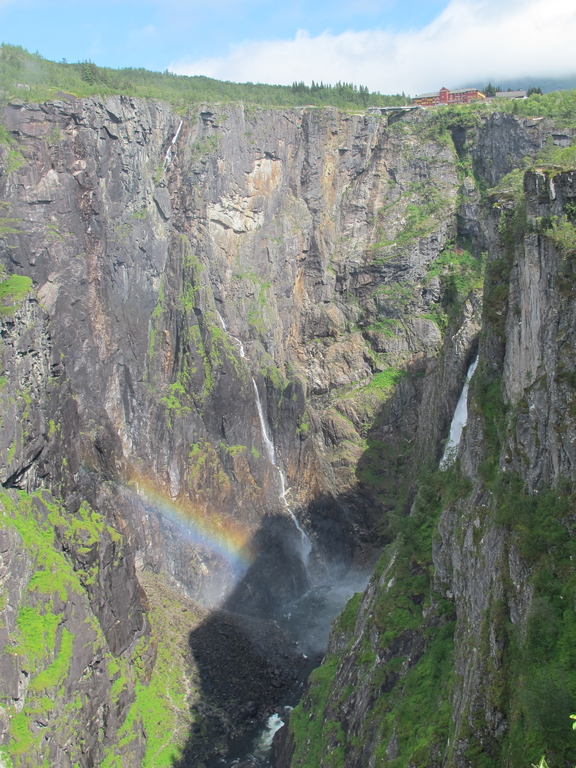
458 422
234 338
305 543
168 158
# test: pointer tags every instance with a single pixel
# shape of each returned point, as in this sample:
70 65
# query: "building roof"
465 90
510 94
454 90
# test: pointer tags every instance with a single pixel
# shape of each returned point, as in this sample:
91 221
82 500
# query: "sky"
393 46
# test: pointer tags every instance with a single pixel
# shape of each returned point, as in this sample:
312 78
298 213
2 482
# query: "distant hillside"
23 73
547 84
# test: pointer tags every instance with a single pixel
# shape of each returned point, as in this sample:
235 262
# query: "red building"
444 96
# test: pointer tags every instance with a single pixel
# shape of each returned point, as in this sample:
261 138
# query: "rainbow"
223 536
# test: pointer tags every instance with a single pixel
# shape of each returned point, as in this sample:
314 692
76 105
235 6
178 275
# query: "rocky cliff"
219 329
459 653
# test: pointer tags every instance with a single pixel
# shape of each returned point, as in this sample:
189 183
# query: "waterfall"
458 422
270 450
225 329
222 323
263 745
305 543
168 158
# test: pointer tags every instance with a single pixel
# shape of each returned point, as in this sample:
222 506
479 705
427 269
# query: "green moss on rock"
12 293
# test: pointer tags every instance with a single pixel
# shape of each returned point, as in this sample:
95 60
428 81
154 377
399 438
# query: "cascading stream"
237 340
258 745
305 543
458 422
270 450
168 158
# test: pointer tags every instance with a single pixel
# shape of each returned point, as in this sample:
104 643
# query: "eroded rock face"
64 697
264 250
296 253
437 662
486 561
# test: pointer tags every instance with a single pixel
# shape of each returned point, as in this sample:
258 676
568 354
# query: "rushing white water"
168 157
263 744
458 422
265 437
222 322
305 543
225 329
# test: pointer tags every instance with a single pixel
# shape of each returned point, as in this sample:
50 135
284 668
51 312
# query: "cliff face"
216 305
457 653
264 250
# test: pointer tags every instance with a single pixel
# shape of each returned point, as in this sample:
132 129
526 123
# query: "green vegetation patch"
558 159
510 190
387 326
13 160
561 231
203 460
385 381
303 425
155 319
347 620
13 290
440 125
563 235
37 631
43 639
203 148
311 733
57 671
173 398
415 705
460 274
532 682
398 296
530 678
54 573
486 399
559 105
421 217
163 702
22 738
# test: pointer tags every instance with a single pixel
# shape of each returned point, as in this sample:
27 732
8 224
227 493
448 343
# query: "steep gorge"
334 264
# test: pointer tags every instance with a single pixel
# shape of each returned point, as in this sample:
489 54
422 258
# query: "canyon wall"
166 275
459 651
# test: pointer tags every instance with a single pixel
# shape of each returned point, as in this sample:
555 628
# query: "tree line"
31 76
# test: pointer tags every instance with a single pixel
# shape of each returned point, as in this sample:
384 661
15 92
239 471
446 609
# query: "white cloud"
470 40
